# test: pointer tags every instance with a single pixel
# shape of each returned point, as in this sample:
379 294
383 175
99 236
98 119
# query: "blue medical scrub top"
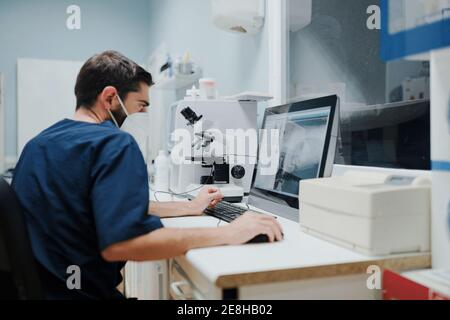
83 187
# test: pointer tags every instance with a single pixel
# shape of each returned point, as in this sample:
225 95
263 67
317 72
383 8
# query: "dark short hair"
109 68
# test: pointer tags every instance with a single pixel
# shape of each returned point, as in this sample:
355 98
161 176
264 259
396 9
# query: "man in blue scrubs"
83 186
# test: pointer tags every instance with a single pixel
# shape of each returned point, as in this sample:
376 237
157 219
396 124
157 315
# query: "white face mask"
136 125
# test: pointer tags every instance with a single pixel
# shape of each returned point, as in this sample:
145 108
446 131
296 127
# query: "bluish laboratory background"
37 29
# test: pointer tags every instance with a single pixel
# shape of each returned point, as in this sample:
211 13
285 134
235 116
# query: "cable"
176 194
184 193
201 186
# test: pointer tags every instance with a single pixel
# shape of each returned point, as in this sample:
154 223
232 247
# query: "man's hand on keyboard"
251 225
208 197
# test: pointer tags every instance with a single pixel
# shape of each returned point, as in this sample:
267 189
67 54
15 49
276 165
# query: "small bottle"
162 172
151 171
177 66
192 94
186 67
208 88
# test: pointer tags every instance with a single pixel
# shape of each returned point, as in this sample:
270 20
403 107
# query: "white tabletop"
297 250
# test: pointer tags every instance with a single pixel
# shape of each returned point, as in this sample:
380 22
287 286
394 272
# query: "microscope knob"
238 172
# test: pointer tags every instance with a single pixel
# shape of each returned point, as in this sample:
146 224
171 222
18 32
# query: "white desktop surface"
297 251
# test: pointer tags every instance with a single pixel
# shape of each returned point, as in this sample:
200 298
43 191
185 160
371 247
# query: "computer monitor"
308 132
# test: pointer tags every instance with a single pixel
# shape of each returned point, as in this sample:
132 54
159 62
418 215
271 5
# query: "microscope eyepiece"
190 116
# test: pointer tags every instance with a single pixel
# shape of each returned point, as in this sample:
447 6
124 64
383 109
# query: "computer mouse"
261 238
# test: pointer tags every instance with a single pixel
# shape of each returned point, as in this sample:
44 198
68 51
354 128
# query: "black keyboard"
225 211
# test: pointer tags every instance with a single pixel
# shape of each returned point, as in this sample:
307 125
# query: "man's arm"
170 243
208 196
173 209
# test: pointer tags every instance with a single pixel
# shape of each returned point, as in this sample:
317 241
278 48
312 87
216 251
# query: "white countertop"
298 250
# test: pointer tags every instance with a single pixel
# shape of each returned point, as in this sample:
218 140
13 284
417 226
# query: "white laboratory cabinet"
146 280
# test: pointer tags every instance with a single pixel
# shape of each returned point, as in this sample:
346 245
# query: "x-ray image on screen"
302 140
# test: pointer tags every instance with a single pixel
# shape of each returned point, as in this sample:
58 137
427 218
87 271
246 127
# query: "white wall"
54 95
238 62
37 29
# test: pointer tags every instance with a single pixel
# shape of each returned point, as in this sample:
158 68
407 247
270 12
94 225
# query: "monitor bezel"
306 105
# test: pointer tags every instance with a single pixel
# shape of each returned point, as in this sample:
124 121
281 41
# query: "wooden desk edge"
420 261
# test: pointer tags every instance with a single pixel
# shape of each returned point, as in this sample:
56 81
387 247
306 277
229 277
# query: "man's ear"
107 96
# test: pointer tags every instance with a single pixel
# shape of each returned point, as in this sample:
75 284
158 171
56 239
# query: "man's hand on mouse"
251 225
243 229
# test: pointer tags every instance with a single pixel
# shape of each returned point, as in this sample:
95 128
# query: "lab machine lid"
250 96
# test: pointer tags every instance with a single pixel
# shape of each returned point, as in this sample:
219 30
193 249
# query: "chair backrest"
19 278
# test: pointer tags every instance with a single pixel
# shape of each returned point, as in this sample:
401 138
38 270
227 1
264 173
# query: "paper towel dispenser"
237 16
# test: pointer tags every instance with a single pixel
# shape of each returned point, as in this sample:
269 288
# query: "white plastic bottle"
162 172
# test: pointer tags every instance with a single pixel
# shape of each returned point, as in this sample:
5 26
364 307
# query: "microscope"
224 173
222 149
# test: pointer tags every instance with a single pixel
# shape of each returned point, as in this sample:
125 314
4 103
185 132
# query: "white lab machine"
371 213
222 145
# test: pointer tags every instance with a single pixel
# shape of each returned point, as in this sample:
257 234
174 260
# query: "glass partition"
338 51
